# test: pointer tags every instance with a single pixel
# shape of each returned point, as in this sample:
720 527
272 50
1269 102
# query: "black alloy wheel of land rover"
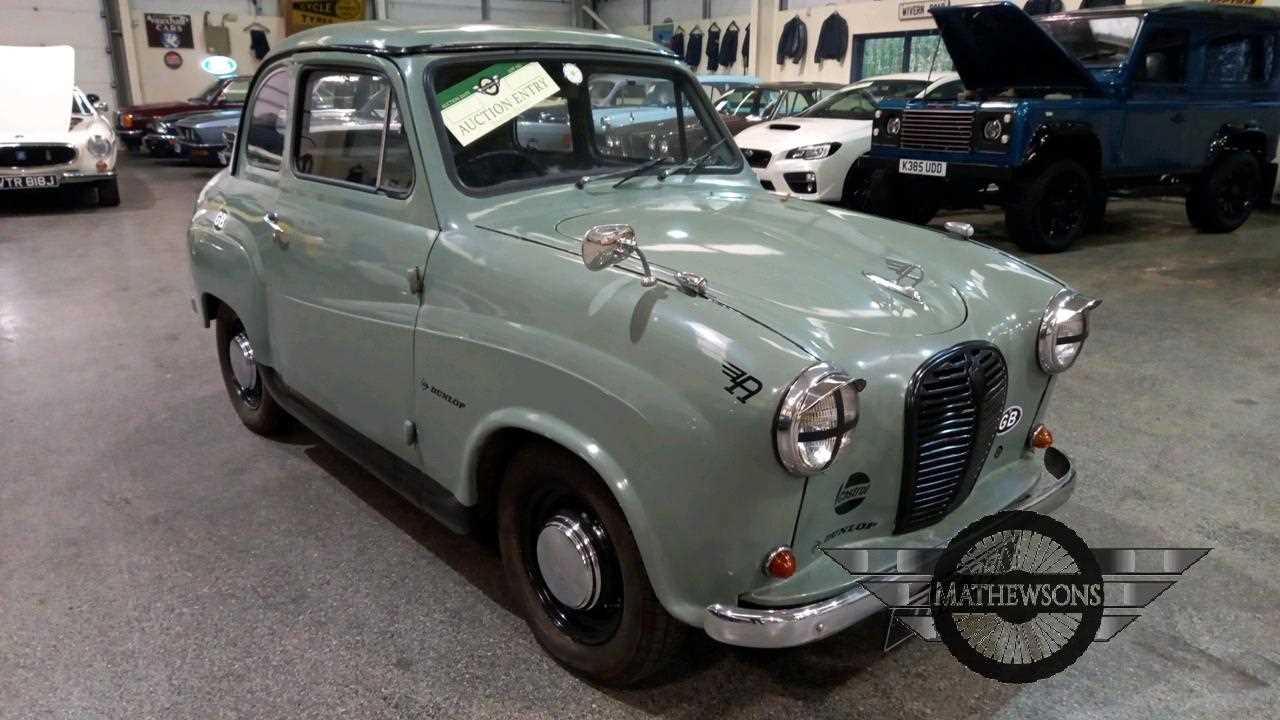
1050 211
1223 196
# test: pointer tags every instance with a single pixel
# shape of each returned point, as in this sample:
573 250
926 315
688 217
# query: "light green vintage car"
666 388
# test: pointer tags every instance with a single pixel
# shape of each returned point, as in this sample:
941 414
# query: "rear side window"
350 131
1240 58
1164 57
264 145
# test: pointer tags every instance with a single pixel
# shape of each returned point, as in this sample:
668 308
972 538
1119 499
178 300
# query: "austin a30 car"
663 388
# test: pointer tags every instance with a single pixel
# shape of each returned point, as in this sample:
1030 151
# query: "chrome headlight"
1063 330
992 130
813 152
816 419
98 146
894 126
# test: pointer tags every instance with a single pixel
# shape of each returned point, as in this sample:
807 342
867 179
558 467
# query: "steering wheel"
516 157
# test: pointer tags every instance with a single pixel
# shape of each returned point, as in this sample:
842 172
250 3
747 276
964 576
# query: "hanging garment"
833 39
794 41
217 38
677 43
1042 7
729 46
713 49
746 48
258 44
693 49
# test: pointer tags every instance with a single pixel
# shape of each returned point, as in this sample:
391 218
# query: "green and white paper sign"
492 97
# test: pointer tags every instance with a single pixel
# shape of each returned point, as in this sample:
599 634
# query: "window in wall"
265 144
341 130
1164 57
907 52
1240 59
883 55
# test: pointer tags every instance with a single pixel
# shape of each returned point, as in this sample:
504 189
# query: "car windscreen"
210 91
236 91
1095 42
507 124
850 104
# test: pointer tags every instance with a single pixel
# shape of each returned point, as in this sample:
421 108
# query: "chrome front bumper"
764 628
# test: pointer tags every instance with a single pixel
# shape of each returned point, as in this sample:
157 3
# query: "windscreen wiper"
582 181
694 164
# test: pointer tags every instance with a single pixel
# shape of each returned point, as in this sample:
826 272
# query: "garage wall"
78 23
511 12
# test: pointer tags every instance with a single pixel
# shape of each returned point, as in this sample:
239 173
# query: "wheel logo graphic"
1017 597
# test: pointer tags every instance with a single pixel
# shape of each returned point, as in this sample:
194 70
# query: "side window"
1240 58
264 147
341 127
1164 57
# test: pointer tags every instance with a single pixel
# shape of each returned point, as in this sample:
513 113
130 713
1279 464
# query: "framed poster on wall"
301 15
168 31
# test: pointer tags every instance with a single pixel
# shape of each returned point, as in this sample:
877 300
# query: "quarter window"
264 145
345 118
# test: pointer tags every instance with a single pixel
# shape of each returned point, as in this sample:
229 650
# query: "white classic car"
812 155
51 133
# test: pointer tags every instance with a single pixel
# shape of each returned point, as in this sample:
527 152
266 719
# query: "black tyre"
249 396
1225 194
919 200
1050 211
574 569
108 192
858 191
1097 210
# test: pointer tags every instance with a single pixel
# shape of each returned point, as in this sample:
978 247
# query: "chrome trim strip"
788 627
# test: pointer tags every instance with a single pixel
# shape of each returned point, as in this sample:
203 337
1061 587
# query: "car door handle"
272 220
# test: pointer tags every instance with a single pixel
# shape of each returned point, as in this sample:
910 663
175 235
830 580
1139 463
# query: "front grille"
954 404
36 155
757 158
937 130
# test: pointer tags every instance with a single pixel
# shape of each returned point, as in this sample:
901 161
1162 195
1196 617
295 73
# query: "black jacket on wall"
746 48
713 49
833 39
794 41
729 47
677 44
693 49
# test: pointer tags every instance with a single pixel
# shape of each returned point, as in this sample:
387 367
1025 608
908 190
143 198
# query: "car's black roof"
1193 10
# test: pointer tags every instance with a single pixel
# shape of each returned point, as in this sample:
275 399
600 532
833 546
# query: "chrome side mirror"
962 230
607 245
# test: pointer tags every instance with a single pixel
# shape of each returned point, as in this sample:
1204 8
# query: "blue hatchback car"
1063 110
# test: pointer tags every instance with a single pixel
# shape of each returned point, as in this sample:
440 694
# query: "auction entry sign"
301 15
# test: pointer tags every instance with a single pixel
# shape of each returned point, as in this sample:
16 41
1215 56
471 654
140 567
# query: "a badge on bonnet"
908 275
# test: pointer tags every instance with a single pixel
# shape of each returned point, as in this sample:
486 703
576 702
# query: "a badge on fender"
1009 420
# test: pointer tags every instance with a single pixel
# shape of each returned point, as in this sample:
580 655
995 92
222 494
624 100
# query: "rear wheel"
1224 195
573 566
1050 211
242 378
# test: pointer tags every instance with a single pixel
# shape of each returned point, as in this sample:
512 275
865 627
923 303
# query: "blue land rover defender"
1063 110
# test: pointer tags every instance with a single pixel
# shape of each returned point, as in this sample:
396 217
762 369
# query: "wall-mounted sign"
173 60
168 31
218 65
919 9
302 14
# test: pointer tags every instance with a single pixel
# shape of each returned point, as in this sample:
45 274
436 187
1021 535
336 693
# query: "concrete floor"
159 560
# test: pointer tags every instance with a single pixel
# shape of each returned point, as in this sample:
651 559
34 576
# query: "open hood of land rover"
998 46
36 88
813 273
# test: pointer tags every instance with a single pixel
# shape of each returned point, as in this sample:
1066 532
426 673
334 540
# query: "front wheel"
1223 197
573 566
1052 210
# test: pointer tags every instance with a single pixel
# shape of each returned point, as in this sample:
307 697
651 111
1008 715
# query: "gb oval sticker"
1009 420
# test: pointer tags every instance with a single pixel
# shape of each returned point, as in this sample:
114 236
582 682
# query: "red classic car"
135 122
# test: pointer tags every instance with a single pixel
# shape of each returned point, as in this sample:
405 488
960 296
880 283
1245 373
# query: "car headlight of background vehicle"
126 120
813 152
98 146
1063 330
816 419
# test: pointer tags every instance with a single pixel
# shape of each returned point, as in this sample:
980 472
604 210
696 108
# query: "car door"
1156 115
356 225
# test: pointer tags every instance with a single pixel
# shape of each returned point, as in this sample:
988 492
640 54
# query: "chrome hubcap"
569 562
243 367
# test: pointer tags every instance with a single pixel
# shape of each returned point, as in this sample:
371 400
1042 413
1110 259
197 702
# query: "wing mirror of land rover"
962 230
607 245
